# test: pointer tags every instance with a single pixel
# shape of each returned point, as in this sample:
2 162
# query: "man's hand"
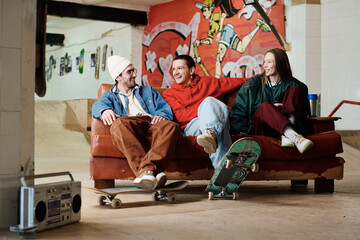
157 119
108 116
196 43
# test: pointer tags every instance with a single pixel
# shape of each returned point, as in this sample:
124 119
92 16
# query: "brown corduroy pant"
127 134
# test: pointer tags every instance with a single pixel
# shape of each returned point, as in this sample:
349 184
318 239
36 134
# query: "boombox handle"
45 176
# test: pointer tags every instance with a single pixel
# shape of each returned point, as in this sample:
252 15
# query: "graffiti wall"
225 38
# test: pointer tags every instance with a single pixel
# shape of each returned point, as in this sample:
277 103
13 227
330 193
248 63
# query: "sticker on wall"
97 64
81 61
62 66
103 62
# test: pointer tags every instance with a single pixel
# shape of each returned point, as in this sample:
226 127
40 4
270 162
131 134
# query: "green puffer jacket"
250 97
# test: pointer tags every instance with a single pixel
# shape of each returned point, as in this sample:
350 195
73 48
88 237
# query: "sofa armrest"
323 124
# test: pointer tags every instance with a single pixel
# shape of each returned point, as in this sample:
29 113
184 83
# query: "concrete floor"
266 210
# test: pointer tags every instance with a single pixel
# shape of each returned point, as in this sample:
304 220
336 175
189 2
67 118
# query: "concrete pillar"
17 82
303 31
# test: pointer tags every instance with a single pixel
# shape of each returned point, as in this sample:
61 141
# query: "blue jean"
213 114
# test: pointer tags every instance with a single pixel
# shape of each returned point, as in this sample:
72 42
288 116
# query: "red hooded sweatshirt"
184 99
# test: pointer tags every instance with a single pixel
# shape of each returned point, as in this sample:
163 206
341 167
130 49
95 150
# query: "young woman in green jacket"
273 103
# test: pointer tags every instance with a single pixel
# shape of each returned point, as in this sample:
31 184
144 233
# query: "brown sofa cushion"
101 146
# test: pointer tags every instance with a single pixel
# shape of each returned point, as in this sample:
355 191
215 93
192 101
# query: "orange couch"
320 163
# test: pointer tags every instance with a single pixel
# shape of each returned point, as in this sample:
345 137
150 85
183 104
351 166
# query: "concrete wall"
340 52
17 84
324 53
123 39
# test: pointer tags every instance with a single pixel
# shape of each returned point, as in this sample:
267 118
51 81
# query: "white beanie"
116 65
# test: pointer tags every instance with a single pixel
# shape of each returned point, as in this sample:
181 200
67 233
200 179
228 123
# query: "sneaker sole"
306 147
287 145
208 147
146 184
161 181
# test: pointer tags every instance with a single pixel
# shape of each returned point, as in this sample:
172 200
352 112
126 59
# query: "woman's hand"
279 105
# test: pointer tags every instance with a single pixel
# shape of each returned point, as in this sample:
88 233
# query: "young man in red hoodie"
197 106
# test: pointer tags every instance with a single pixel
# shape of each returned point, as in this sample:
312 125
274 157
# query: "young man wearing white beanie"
133 112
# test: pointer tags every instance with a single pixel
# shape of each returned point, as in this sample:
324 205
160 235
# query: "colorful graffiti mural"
225 37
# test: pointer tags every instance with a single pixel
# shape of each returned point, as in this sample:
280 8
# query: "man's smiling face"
181 72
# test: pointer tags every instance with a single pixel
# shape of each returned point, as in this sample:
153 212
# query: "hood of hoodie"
192 84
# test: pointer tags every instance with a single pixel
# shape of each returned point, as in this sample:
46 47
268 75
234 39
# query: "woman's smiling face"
269 64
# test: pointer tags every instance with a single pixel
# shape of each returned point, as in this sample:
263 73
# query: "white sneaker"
208 141
146 180
286 142
161 179
302 144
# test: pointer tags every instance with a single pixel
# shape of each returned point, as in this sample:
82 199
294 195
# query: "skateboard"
97 62
235 166
199 61
103 62
66 63
81 61
108 195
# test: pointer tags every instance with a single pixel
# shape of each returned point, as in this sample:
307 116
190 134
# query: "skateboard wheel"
229 164
102 200
172 198
236 195
116 203
211 196
156 196
255 167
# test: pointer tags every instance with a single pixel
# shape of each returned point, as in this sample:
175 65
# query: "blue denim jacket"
151 101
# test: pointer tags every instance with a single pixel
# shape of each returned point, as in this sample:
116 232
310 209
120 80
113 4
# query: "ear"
192 70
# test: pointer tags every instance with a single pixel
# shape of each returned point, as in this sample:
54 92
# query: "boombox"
49 205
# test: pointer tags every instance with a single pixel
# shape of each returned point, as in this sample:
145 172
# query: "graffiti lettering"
251 64
165 65
150 63
181 28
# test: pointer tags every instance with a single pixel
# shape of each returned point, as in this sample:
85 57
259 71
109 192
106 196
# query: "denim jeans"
213 114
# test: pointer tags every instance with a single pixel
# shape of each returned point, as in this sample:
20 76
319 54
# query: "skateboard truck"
114 202
238 160
223 193
161 195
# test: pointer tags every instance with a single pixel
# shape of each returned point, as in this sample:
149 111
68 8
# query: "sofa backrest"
228 100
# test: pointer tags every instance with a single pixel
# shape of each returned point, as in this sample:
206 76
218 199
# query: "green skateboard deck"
108 195
81 61
235 166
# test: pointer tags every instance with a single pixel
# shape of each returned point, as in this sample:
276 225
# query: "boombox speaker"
48 205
